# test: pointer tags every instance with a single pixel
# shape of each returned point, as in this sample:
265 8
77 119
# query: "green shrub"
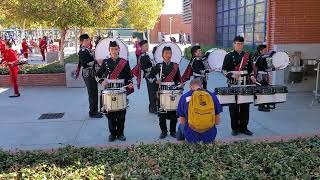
298 159
73 58
187 51
53 67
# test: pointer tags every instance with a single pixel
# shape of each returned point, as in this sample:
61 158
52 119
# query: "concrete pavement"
20 127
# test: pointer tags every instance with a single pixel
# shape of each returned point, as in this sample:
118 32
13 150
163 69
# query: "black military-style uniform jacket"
233 59
86 60
261 68
198 66
86 57
166 70
107 67
261 62
146 64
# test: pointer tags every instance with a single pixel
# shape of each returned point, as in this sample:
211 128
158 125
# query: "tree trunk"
63 33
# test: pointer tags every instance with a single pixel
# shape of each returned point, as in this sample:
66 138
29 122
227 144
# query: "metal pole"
170 24
76 39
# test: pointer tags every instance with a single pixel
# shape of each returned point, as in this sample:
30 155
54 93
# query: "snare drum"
169 100
245 94
113 100
280 93
226 95
264 95
115 83
167 86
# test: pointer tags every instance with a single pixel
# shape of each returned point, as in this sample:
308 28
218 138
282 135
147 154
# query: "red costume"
25 49
43 48
2 47
10 58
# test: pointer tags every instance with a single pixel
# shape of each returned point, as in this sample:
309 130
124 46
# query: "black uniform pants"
152 93
171 115
92 88
116 122
239 114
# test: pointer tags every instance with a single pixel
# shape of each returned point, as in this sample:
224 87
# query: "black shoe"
174 135
247 132
112 138
122 138
152 111
96 115
14 96
234 133
163 135
263 109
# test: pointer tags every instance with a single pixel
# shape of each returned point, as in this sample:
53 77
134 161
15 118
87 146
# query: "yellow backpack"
201 111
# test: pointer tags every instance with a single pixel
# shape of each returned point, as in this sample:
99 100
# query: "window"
249 14
241 17
240 3
232 18
219 19
225 5
233 4
226 18
260 12
219 6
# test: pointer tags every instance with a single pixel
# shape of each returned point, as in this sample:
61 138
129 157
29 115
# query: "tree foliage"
143 15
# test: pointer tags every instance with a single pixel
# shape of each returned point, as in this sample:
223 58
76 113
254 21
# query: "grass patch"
297 159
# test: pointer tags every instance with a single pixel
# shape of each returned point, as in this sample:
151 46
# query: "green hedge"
298 159
54 67
187 51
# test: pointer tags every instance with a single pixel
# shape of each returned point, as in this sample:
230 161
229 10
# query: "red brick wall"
293 21
203 22
163 25
58 79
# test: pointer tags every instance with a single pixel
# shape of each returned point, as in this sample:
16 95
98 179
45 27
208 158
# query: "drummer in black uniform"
115 68
169 73
146 65
198 66
239 113
261 72
86 60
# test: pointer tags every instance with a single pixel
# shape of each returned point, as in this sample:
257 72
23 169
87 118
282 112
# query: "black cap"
141 43
113 44
166 48
194 49
261 47
83 37
238 39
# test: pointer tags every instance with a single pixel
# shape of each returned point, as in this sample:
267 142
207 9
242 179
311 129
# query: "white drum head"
280 60
176 52
102 49
216 58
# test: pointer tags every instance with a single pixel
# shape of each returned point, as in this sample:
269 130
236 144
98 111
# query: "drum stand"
317 91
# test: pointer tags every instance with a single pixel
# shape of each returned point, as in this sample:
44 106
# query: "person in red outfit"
43 47
10 58
2 46
25 48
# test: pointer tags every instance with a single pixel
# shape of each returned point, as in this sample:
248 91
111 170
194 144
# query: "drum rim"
120 91
285 63
214 59
170 91
107 48
158 49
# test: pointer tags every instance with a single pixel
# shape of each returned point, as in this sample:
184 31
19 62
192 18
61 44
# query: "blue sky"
172 7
